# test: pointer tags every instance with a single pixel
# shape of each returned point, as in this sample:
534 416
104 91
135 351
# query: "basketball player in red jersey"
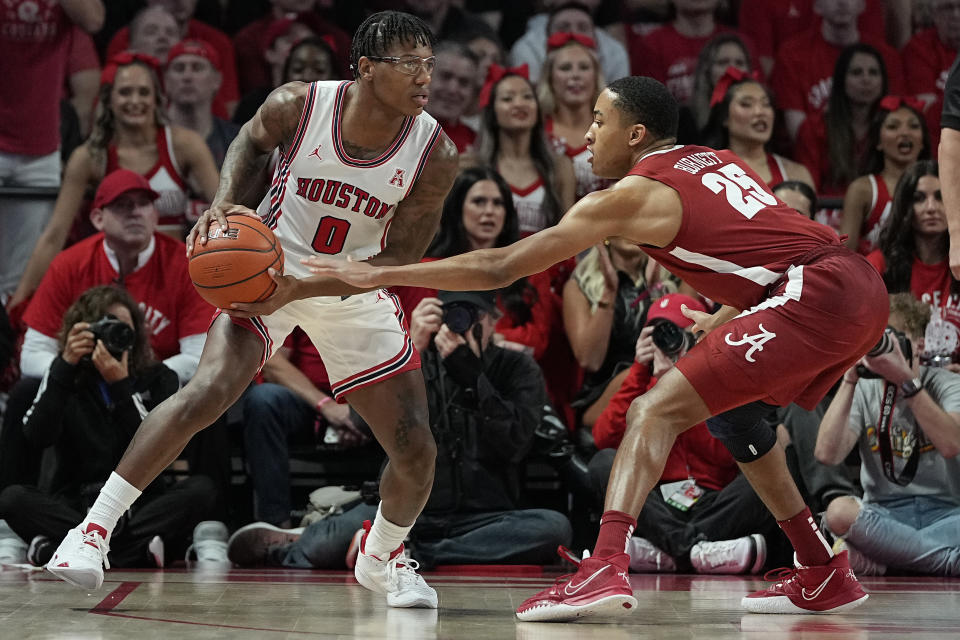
389 166
800 308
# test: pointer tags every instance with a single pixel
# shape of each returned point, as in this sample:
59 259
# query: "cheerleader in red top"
741 119
898 138
913 258
568 88
512 141
832 144
129 133
479 214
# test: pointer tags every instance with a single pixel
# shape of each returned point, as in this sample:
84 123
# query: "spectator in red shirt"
453 90
898 137
252 42
128 120
669 53
805 63
34 37
182 11
928 56
129 251
833 145
913 257
768 23
705 518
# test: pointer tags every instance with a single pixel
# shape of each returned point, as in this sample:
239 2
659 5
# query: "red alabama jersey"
736 238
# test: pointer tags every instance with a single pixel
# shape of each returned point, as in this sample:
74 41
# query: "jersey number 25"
734 181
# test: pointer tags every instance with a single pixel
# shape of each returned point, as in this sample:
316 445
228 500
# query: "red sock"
616 527
811 547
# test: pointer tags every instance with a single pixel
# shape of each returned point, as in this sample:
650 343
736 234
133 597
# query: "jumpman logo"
755 341
316 152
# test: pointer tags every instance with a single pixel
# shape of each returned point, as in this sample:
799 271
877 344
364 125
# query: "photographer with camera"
705 517
485 404
90 403
905 420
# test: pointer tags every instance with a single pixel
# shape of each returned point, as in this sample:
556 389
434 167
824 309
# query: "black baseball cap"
484 300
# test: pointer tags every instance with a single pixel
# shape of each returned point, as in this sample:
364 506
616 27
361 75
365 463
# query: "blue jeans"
271 414
917 533
528 536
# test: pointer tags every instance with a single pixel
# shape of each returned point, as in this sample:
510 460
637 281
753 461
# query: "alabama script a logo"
756 341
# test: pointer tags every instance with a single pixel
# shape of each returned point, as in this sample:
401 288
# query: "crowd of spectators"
111 145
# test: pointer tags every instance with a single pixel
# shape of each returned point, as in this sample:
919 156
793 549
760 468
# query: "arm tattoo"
243 177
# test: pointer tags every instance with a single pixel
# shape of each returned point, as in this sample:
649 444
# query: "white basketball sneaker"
81 557
396 577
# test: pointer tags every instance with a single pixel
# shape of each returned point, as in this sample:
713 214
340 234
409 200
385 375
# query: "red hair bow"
124 58
494 75
557 40
892 103
731 76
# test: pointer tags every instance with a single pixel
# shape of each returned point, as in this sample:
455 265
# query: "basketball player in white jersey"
362 173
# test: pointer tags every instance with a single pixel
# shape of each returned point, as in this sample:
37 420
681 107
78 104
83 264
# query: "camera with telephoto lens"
670 338
885 345
459 316
116 335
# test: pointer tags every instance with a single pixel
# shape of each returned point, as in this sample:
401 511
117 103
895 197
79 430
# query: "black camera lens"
117 336
669 338
885 345
460 316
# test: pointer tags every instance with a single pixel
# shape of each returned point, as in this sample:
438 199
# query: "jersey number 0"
331 235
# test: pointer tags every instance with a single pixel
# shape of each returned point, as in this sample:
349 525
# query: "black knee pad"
744 431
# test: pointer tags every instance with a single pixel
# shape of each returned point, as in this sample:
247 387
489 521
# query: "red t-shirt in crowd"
930 283
171 305
695 453
811 151
803 71
215 38
669 56
770 22
928 60
34 48
460 134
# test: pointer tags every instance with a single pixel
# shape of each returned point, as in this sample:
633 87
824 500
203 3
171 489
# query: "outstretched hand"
357 273
284 293
702 321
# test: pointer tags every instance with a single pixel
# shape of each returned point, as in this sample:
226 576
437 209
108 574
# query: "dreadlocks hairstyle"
897 240
105 121
844 166
643 100
382 30
875 159
451 238
93 305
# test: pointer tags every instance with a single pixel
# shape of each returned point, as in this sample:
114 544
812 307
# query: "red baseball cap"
668 308
194 47
118 183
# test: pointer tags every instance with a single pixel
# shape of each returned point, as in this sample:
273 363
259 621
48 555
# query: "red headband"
496 73
892 103
557 40
123 59
731 76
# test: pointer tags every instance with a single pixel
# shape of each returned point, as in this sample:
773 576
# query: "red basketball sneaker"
600 586
825 589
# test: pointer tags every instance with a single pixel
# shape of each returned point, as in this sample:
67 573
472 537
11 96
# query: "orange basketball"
232 266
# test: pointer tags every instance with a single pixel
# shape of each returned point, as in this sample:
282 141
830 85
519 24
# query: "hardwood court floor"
479 603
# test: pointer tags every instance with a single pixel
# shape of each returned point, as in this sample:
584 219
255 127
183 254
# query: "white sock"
384 536
115 498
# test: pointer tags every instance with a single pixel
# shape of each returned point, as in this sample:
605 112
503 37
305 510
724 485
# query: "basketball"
232 266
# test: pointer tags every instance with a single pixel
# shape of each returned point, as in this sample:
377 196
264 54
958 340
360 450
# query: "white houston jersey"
322 201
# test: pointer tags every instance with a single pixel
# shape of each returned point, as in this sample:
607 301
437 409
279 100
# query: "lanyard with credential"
883 441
